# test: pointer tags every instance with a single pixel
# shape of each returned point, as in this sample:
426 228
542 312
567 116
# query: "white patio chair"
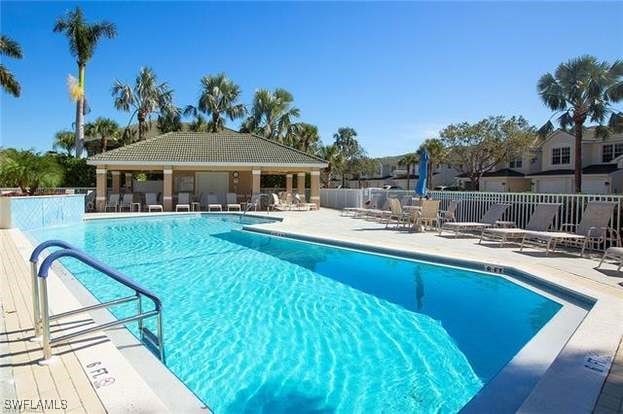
183 202
151 201
541 219
232 202
113 202
593 228
126 202
213 203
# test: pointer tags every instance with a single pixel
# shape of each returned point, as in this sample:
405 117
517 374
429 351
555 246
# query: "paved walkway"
64 383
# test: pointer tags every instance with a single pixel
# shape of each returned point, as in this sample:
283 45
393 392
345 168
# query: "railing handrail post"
36 298
114 274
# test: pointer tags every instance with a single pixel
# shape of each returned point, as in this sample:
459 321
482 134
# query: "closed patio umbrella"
420 188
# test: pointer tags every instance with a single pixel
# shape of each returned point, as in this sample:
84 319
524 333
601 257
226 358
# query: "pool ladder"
41 311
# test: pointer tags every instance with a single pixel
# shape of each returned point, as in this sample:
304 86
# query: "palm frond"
8 82
10 48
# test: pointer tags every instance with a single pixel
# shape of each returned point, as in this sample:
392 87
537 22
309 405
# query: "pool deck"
569 385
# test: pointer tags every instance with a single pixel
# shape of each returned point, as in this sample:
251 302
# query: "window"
184 183
611 151
516 163
561 155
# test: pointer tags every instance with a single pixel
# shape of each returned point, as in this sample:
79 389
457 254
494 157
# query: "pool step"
151 341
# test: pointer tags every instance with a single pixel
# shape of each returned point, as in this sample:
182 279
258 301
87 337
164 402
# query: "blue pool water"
257 323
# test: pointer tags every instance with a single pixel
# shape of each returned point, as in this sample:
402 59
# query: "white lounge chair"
113 202
213 203
593 228
613 253
183 202
151 201
232 202
126 201
541 220
491 217
300 198
278 204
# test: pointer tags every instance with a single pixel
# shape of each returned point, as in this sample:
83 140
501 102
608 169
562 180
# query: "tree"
65 140
304 137
332 155
170 122
346 142
83 38
437 154
477 148
145 98
12 49
199 124
582 89
364 167
271 114
105 129
408 160
219 97
29 170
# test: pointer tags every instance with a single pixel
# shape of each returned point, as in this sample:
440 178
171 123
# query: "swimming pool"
257 323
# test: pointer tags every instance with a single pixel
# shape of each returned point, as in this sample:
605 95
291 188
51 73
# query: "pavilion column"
289 183
255 187
116 181
167 189
100 189
300 183
128 181
315 188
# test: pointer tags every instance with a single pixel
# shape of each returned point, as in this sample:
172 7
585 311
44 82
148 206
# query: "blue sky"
396 72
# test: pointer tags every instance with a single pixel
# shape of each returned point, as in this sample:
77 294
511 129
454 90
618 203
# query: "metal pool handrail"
44 318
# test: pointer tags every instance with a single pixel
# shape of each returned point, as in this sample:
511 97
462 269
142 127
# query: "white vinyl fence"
341 198
473 204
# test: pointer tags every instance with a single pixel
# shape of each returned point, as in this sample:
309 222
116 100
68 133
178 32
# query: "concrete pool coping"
568 384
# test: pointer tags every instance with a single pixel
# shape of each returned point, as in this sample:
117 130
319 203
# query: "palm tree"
304 137
346 141
582 89
170 122
408 160
332 155
145 98
65 140
272 114
105 129
437 153
29 170
9 48
219 96
83 38
199 123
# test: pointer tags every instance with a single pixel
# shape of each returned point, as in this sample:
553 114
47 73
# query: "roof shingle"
224 147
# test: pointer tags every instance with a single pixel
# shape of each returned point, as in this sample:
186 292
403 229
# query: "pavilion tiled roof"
216 148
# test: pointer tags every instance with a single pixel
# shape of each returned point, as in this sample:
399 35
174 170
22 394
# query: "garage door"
554 185
594 185
494 186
